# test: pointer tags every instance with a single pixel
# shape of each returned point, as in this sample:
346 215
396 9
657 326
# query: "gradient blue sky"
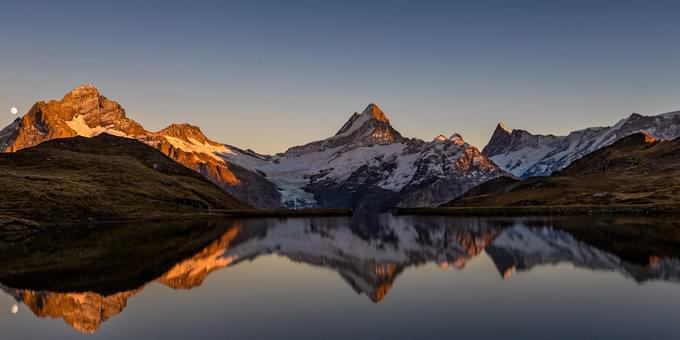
272 74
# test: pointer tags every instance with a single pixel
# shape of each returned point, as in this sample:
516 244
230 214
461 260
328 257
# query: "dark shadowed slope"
100 179
636 170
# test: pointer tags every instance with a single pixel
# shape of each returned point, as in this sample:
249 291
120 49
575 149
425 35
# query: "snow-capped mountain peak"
374 111
440 138
457 139
501 125
369 127
357 120
500 139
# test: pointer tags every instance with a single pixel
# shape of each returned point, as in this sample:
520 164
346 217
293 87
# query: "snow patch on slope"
355 122
406 166
215 151
81 128
518 162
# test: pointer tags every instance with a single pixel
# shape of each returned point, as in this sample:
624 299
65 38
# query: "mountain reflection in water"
87 276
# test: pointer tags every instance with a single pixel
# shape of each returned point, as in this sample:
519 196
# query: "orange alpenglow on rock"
190 273
86 311
650 139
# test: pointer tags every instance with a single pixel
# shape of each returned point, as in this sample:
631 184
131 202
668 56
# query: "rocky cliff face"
83 111
525 154
366 165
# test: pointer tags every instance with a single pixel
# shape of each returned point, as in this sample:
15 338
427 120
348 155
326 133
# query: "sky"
268 75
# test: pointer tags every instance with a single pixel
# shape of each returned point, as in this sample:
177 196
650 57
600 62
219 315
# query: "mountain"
635 170
81 112
525 154
101 178
85 112
366 165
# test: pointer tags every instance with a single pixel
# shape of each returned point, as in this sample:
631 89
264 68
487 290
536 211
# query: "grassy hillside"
100 179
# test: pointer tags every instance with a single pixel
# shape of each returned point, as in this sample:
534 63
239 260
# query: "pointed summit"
375 112
372 113
499 142
440 138
368 128
457 139
501 126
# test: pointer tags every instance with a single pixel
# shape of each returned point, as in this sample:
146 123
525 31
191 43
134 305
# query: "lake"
364 277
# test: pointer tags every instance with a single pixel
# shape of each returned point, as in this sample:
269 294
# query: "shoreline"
542 210
9 224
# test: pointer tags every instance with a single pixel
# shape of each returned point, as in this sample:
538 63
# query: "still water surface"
337 278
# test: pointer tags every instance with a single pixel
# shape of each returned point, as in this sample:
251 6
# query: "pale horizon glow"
267 76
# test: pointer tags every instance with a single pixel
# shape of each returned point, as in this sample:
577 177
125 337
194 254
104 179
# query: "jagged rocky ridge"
525 154
366 165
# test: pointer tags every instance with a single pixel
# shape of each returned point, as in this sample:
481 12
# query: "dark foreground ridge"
101 179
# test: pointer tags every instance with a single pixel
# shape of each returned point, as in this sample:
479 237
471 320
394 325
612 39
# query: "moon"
13 110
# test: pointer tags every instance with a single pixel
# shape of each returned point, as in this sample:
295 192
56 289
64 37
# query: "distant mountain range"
367 165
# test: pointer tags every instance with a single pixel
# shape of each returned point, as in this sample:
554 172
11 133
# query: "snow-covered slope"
525 154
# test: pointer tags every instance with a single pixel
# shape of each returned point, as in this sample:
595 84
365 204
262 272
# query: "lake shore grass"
543 210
